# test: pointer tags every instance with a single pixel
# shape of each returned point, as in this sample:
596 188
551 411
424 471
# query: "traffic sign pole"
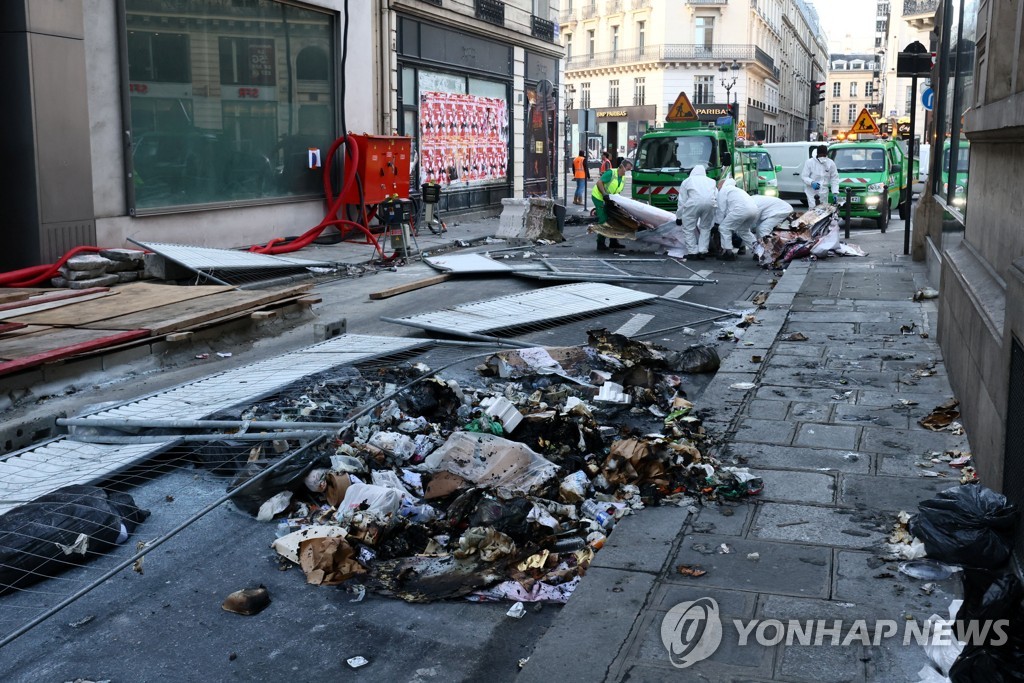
910 163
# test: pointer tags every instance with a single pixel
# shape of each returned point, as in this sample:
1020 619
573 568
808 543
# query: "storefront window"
225 101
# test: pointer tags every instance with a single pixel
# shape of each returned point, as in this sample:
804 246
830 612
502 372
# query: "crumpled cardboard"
632 461
328 561
488 460
489 543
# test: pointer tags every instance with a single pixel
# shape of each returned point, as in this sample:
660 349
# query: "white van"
791 156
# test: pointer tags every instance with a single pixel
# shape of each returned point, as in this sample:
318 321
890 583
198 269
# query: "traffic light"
817 93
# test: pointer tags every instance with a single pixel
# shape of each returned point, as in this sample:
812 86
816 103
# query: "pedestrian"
696 212
737 213
771 212
606 162
611 182
819 172
581 173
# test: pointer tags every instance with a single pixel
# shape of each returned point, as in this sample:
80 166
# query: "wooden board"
31 309
134 297
185 314
48 340
23 330
42 297
10 327
103 338
409 287
17 294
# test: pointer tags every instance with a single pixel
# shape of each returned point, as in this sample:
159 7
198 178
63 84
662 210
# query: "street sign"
914 60
865 124
928 99
681 110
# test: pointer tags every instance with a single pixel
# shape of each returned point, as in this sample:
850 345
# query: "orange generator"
383 168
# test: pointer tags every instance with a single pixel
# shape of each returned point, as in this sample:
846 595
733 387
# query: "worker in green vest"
611 182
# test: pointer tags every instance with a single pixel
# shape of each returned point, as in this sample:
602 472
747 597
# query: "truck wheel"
883 219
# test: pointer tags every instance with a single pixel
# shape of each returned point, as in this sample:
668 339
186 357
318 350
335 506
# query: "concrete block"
329 330
512 222
159 268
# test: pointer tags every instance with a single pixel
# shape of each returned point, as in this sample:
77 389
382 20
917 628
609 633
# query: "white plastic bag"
378 500
488 460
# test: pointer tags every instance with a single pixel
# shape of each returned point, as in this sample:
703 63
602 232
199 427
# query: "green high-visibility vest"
613 187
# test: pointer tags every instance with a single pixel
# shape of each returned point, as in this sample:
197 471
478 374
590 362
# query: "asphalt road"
166 623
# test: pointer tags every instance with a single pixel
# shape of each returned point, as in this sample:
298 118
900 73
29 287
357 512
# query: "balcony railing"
674 53
912 7
543 29
705 3
588 11
491 11
641 4
567 16
613 6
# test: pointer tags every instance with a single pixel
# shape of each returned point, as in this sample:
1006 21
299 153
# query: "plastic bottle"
597 512
568 545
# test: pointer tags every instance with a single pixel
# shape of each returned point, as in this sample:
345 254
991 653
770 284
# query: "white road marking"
635 323
678 291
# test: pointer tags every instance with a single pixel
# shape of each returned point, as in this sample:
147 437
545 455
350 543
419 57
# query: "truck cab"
766 170
876 171
962 165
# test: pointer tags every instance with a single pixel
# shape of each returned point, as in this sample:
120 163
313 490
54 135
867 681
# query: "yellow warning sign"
865 124
681 110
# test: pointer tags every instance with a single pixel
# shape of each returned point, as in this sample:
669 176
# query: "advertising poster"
463 139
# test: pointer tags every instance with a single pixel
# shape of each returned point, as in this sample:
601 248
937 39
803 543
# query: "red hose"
36 275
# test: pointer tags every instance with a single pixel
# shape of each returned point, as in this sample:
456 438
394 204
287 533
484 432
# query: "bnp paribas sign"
712 112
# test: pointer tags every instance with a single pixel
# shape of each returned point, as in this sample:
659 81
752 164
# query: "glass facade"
954 96
225 100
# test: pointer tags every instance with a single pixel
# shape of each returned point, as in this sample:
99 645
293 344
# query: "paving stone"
775 392
912 442
809 524
731 603
820 331
642 542
826 316
890 328
609 602
894 661
926 400
859 578
803 411
765 431
777 571
833 663
878 416
724 519
826 436
799 362
888 493
851 364
906 466
730 658
787 348
797 487
795 458
768 410
785 607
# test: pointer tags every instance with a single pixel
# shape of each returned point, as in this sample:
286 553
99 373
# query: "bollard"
849 193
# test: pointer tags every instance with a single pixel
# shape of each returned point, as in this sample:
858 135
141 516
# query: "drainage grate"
1013 459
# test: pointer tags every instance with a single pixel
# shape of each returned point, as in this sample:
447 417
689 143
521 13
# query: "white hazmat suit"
737 213
696 210
771 212
820 171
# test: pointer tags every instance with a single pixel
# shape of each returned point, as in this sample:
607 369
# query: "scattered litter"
724 549
783 524
908 329
795 336
754 556
926 293
356 662
927 570
223 354
942 416
742 385
202 356
516 611
692 570
248 601
82 622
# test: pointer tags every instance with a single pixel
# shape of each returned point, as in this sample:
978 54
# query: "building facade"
203 121
850 87
908 21
628 60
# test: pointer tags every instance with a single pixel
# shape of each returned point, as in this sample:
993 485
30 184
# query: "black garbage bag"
990 595
969 525
223 457
700 358
990 663
61 530
288 477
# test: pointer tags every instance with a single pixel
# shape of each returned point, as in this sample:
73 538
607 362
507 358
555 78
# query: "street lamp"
727 83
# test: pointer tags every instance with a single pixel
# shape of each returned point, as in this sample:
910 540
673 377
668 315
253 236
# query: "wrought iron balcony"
491 11
674 53
912 7
543 29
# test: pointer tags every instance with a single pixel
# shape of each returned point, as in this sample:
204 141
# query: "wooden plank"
107 339
33 309
10 327
410 286
185 314
135 297
48 339
47 296
22 330
17 294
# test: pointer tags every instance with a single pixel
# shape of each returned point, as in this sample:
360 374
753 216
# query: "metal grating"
1013 458
542 305
492 11
542 28
38 470
207 258
251 382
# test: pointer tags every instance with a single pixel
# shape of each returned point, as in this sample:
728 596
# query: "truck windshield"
859 159
764 161
963 158
672 154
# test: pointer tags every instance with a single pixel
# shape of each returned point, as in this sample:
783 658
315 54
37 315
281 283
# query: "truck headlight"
876 187
871 200
771 192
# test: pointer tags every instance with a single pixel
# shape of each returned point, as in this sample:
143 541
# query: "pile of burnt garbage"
501 482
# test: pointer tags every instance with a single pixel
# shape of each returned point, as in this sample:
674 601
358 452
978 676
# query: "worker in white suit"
737 213
820 175
695 212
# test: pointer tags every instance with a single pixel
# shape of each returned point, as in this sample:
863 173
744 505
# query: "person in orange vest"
606 162
582 174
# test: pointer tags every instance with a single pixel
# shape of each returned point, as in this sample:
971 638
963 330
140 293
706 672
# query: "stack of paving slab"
108 267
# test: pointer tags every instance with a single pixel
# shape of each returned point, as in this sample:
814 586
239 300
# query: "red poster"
463 138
